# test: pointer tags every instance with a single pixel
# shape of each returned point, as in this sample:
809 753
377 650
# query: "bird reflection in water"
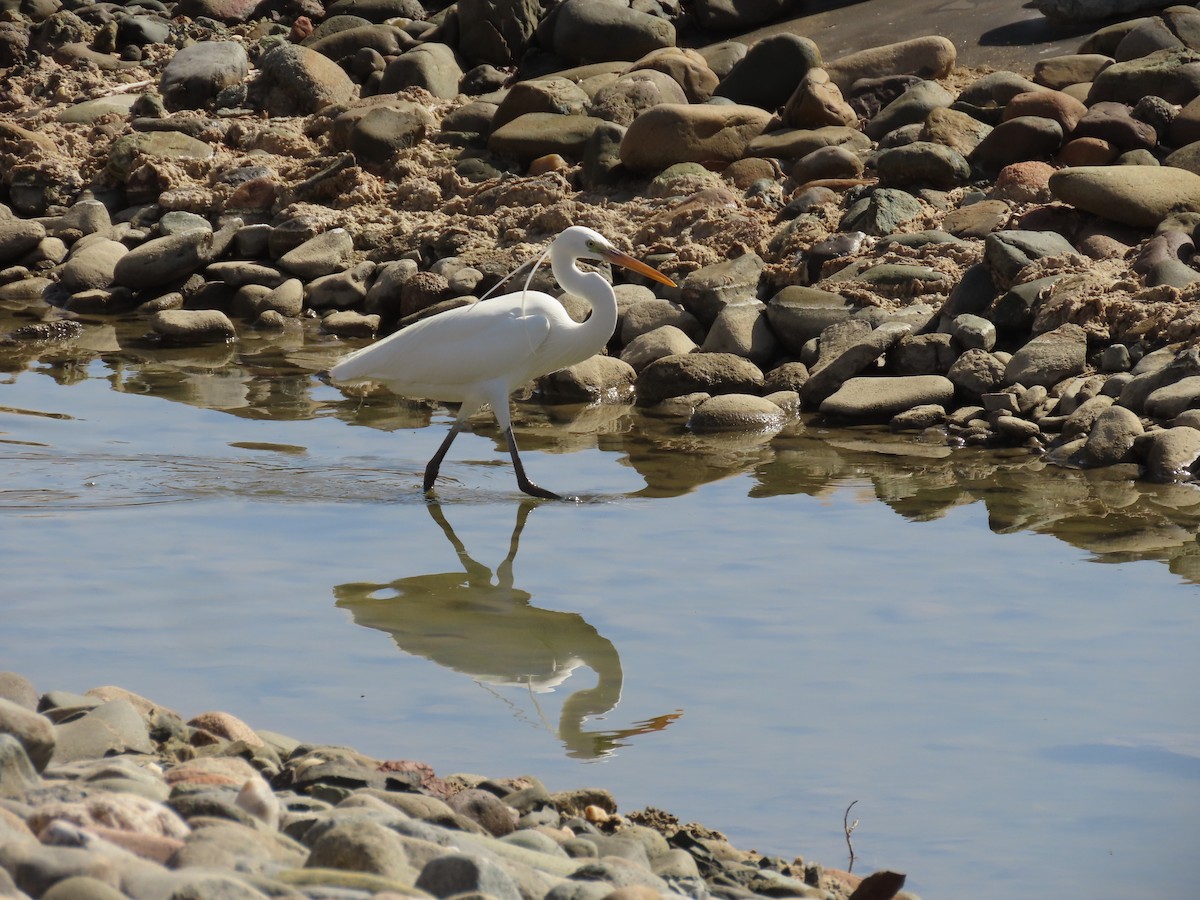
478 623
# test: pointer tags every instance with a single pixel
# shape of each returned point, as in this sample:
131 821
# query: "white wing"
445 356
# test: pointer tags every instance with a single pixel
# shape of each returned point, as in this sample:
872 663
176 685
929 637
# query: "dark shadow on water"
479 623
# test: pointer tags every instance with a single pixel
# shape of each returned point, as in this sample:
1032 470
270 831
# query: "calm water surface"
997 660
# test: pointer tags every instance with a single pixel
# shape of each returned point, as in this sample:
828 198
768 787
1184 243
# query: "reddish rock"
1087 151
227 726
1024 182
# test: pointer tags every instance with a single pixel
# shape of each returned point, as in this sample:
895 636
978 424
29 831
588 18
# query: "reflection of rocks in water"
1100 511
478 623
675 462
587 425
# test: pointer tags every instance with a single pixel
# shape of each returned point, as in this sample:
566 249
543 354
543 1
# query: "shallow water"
996 659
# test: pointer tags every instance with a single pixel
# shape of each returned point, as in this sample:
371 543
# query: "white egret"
478 355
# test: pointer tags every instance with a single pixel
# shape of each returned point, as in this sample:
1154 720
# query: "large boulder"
1141 196
496 31
672 132
297 81
589 31
198 72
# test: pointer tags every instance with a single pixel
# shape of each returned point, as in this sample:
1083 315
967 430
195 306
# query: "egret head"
580 242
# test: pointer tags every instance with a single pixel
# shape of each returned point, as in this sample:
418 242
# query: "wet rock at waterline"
211 807
879 399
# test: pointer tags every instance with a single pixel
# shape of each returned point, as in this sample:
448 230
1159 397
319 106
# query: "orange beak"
625 261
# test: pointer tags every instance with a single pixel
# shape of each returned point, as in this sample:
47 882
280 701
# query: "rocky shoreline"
107 794
980 257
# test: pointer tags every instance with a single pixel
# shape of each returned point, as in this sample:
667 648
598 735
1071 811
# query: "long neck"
593 287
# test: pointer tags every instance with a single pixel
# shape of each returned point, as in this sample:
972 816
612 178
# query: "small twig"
126 88
848 827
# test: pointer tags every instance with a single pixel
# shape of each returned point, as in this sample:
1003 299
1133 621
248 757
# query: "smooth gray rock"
38 868
537 134
197 73
585 32
324 254
1049 357
297 81
973 332
1112 437
383 131
648 315
596 379
631 94
541 95
922 164
743 329
870 399
770 71
91 265
496 31
705 292
1173 75
19 690
84 217
798 314
666 340
1017 140
82 887
431 66
1085 415
672 133
17 774
729 412
483 807
918 418
884 211
362 845
710 373
18 237
458 873
976 372
829 376
1169 401
931 56
910 108
1006 253
163 261
193 326
112 727
340 290
344 323
923 354
621 873
386 40
34 732
1140 196
1169 454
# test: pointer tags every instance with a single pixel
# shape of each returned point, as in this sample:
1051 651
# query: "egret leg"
460 422
435 462
523 481
499 404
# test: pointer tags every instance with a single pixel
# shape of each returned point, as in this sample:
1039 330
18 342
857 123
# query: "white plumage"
478 355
